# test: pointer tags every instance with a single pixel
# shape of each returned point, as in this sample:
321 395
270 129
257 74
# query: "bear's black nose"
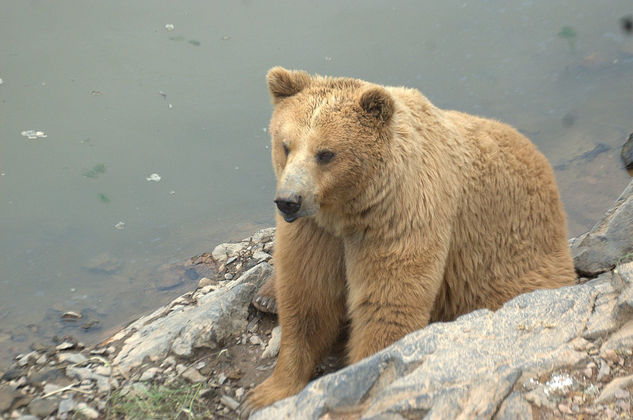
289 205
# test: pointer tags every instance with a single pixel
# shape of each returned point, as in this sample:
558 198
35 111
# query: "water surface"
121 97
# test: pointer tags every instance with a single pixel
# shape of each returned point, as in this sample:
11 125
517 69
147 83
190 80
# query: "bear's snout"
289 206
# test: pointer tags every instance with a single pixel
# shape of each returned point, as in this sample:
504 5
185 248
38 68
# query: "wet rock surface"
609 241
548 354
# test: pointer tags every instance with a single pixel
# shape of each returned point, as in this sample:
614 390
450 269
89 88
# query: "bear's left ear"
378 103
284 83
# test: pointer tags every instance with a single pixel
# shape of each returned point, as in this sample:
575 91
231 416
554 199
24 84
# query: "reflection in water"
153 144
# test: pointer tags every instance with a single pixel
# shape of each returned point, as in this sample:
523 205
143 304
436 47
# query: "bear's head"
330 138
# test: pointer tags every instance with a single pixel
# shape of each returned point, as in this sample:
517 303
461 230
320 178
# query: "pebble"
192 375
23 359
205 282
273 345
70 315
149 374
169 361
255 340
229 402
66 406
87 411
65 346
239 393
75 358
180 369
228 276
610 355
103 370
588 372
48 388
41 360
627 152
42 408
603 373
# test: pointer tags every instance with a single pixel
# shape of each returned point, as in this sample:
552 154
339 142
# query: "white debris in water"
170 27
120 225
170 106
153 177
1 82
558 384
172 192
32 134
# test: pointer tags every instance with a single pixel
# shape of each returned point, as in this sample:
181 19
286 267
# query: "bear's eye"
324 156
286 150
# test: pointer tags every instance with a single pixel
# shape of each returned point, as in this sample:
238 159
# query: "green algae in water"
569 33
95 171
104 198
194 42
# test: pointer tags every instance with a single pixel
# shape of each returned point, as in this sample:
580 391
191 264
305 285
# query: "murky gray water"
120 97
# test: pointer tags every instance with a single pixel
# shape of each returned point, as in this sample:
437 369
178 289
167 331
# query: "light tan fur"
422 215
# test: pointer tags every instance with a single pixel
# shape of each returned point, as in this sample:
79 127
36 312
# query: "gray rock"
192 375
610 390
7 396
611 238
28 417
214 318
42 408
223 252
66 405
86 411
71 358
627 152
149 374
264 235
464 368
272 349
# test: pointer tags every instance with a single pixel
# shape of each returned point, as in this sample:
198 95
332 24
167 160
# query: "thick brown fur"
422 215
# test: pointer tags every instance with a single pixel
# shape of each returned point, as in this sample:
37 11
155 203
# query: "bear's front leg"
389 299
310 288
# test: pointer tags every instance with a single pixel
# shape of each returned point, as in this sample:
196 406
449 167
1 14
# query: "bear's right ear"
283 83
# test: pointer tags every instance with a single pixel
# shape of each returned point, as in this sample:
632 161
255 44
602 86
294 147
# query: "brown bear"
393 214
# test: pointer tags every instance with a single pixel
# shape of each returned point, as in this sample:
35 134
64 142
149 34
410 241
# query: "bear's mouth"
289 219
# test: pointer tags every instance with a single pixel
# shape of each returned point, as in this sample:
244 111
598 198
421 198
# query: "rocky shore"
563 353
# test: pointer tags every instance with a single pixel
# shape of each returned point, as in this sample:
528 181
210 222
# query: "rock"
604 371
609 391
42 408
7 396
627 152
169 276
272 349
612 237
610 355
260 256
86 411
75 358
213 319
12 374
193 376
205 282
149 374
103 263
65 346
65 406
264 235
223 252
71 316
28 417
255 340
464 368
103 370
48 388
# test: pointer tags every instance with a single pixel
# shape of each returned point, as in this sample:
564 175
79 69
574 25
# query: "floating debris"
104 198
153 177
170 27
163 94
328 58
170 106
172 192
32 134
1 82
226 38
120 226
194 42
96 170
95 92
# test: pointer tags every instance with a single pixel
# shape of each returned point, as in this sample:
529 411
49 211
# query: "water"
120 97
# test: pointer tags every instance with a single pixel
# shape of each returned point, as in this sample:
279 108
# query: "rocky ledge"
563 353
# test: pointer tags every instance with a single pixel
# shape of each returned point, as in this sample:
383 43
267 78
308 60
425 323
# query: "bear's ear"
378 103
283 83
